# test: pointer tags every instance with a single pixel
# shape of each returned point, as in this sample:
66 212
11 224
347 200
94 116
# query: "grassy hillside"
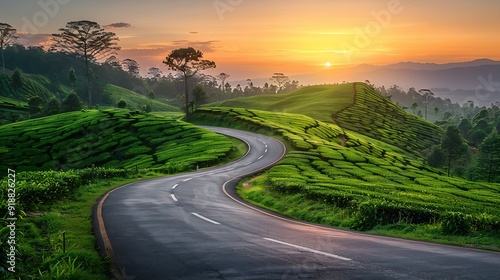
108 138
358 184
375 116
32 85
134 100
353 106
318 102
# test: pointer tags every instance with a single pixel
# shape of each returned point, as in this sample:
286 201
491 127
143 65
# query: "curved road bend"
186 227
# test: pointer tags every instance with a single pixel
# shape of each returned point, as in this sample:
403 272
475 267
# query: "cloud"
194 32
118 25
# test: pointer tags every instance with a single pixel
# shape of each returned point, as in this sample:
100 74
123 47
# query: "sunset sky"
255 38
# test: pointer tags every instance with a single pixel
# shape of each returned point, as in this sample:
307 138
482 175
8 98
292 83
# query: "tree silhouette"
131 66
223 77
414 107
280 79
88 41
427 95
72 77
7 37
189 62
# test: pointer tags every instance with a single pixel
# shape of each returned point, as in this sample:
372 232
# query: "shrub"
455 223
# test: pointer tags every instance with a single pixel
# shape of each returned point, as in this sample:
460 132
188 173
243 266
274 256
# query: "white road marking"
248 163
173 197
188 179
206 219
175 186
308 249
260 157
265 145
265 151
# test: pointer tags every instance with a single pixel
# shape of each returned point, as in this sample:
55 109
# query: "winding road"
193 226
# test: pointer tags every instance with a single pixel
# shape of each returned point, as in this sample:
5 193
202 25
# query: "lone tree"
7 37
189 62
453 146
427 95
17 83
89 42
280 79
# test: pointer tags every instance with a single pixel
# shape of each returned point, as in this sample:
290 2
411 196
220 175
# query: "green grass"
108 138
62 201
361 183
318 102
134 100
374 116
352 106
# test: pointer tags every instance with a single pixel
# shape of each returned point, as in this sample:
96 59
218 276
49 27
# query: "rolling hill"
108 138
13 102
362 182
352 106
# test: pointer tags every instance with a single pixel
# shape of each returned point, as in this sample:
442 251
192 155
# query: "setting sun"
328 64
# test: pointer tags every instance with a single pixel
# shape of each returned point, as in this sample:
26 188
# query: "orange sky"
255 38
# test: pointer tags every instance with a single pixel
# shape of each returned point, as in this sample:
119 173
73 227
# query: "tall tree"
7 37
453 146
155 73
189 62
489 156
71 103
414 107
222 77
17 83
131 66
280 79
88 41
427 94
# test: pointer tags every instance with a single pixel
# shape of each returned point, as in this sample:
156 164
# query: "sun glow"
328 64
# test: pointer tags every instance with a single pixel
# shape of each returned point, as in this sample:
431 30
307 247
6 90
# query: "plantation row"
377 118
110 138
32 85
375 183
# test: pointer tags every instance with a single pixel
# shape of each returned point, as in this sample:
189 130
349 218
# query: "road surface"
192 226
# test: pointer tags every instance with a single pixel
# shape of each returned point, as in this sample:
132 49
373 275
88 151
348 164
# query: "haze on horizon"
253 39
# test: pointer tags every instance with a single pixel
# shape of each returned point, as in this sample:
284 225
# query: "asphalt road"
188 227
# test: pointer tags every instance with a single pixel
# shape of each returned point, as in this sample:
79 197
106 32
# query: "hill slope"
353 106
108 138
318 102
362 183
376 117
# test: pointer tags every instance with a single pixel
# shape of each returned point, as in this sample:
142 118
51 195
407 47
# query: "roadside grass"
318 102
40 242
365 185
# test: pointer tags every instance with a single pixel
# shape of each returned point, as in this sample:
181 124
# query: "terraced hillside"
318 102
376 117
108 138
362 182
353 106
32 85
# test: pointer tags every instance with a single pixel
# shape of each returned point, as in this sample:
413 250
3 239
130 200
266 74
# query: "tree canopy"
88 41
189 62
7 37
